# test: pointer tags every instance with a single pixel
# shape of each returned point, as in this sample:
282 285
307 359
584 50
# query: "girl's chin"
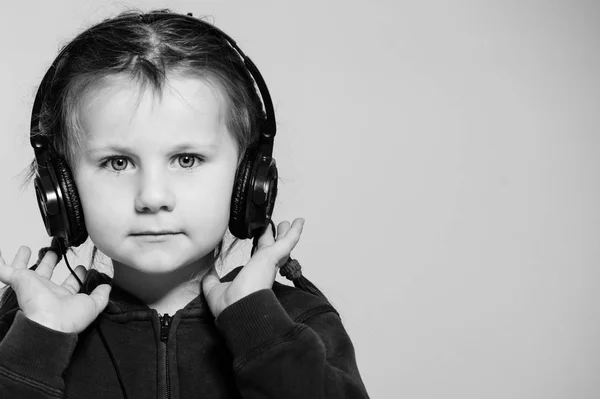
161 262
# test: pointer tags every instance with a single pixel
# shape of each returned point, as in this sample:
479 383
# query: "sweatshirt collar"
123 303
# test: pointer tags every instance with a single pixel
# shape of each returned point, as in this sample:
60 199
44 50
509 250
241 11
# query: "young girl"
151 139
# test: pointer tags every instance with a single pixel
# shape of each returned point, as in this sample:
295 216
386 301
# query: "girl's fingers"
6 273
47 265
210 280
21 259
100 295
286 241
282 228
71 282
266 238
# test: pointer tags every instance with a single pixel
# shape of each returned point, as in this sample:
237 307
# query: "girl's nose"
154 193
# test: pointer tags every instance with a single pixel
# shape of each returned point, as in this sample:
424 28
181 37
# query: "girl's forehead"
118 108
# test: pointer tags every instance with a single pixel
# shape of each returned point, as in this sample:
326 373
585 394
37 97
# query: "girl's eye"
117 164
188 161
120 164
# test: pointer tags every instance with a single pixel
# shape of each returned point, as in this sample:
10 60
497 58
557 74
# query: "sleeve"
33 359
276 357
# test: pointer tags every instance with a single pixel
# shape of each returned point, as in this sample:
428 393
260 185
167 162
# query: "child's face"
150 185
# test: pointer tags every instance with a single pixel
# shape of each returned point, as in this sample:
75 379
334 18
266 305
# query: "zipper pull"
165 326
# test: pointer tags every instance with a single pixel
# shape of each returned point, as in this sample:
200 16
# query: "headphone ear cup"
238 223
254 194
76 231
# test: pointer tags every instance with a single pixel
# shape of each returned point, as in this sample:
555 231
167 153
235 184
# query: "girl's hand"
58 307
260 271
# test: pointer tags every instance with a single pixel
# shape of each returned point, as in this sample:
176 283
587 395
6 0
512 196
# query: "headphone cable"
96 322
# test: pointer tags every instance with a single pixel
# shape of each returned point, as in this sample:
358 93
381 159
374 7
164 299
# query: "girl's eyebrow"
130 151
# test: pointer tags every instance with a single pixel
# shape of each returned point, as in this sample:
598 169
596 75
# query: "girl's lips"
154 237
152 234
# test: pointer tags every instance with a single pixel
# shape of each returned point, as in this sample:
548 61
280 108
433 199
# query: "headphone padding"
238 225
72 203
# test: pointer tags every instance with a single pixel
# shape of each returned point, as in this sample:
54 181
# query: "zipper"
165 326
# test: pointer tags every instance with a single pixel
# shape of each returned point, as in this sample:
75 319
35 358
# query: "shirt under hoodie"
275 343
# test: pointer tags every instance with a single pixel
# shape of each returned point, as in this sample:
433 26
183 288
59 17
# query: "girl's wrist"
48 322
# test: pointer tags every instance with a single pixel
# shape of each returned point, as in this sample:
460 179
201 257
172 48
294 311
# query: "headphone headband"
268 127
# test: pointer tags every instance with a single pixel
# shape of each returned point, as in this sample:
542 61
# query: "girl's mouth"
155 236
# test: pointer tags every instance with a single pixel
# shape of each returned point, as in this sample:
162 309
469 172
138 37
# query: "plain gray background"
444 155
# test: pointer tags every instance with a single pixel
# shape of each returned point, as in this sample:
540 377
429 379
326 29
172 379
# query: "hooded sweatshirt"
274 343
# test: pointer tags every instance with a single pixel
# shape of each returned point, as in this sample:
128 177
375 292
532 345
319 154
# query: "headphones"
255 186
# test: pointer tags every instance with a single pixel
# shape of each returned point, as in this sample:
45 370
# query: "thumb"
100 297
210 280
